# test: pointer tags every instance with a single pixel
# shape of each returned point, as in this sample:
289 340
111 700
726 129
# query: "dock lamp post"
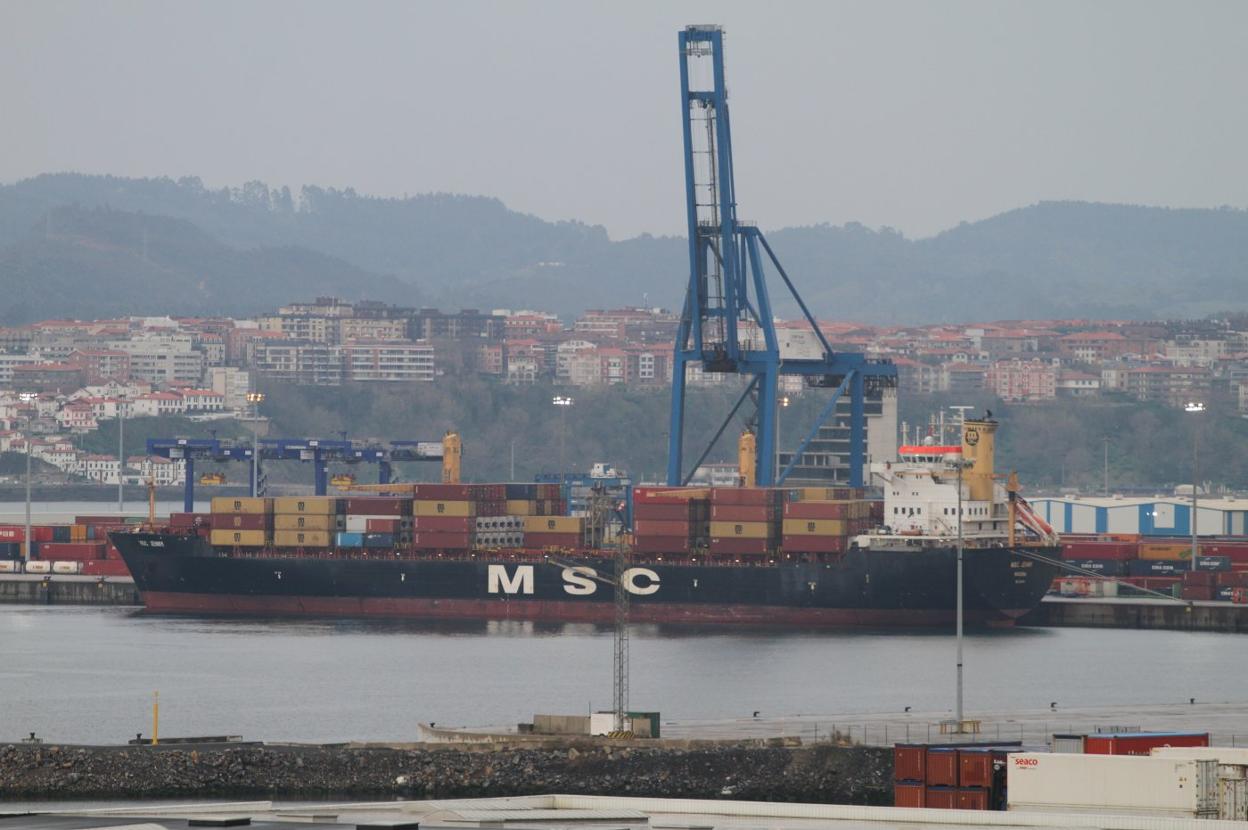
255 399
959 623
27 398
121 459
1195 408
782 403
563 402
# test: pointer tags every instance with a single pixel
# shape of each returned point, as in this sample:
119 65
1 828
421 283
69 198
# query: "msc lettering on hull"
578 581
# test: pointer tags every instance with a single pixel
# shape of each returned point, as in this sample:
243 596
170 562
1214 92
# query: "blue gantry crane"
726 324
320 452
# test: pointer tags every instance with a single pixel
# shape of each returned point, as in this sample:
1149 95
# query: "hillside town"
62 378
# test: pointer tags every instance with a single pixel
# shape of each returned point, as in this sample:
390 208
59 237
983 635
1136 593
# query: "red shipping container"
975 768
17 533
972 798
743 512
908 795
1115 551
101 567
647 495
740 547
181 521
744 495
941 798
243 521
379 506
552 540
650 527
813 544
384 526
1200 577
682 512
942 767
71 551
909 762
442 492
1140 743
816 510
1197 592
444 524
435 540
664 544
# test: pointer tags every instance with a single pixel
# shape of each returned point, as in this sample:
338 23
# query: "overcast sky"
916 115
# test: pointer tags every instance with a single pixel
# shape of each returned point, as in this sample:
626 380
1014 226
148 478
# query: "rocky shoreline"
817 773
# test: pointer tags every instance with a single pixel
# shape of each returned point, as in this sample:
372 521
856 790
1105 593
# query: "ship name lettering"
630 581
521 582
579 581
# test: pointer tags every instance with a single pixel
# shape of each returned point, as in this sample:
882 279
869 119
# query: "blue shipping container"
521 491
1213 563
347 539
378 540
1101 567
1157 567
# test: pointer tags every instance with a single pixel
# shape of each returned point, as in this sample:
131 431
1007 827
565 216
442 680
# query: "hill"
100 262
1052 259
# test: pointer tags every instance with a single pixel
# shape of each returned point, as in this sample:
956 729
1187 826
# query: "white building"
232 384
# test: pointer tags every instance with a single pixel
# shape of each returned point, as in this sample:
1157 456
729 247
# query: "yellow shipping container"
1165 550
77 533
521 507
301 539
303 521
741 530
444 508
232 504
553 524
316 505
239 538
815 527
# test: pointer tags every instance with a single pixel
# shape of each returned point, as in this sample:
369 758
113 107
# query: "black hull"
915 587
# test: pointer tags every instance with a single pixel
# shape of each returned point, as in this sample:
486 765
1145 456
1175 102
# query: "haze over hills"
244 250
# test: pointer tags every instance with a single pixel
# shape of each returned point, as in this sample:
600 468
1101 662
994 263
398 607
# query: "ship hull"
913 588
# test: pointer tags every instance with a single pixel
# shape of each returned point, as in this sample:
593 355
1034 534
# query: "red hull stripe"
553 611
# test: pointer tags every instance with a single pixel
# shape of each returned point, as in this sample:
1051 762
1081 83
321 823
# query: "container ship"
824 556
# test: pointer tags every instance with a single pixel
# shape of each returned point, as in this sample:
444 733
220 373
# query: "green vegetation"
1052 446
245 249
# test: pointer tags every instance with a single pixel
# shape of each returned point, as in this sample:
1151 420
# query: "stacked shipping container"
952 777
1221 571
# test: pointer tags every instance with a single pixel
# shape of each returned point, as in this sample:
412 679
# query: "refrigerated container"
1116 784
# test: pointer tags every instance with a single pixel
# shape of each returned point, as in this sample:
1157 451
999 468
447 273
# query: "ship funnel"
978 454
747 459
452 454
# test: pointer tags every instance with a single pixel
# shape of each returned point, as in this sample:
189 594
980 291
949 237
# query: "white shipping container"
1120 784
10 566
38 567
1236 755
66 567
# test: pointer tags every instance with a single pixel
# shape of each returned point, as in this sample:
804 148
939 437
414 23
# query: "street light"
563 402
255 399
121 459
961 410
781 404
1195 408
27 398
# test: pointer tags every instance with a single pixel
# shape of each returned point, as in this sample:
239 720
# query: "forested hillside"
1055 259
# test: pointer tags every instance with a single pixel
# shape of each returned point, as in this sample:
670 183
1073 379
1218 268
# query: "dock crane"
726 325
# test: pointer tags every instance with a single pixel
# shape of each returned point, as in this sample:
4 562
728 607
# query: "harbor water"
87 674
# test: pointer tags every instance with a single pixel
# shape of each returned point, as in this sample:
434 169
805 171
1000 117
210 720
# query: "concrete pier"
1124 612
67 589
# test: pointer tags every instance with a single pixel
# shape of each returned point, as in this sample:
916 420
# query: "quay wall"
1165 614
36 589
763 771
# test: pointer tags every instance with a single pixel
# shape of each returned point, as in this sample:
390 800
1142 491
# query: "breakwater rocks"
821 773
